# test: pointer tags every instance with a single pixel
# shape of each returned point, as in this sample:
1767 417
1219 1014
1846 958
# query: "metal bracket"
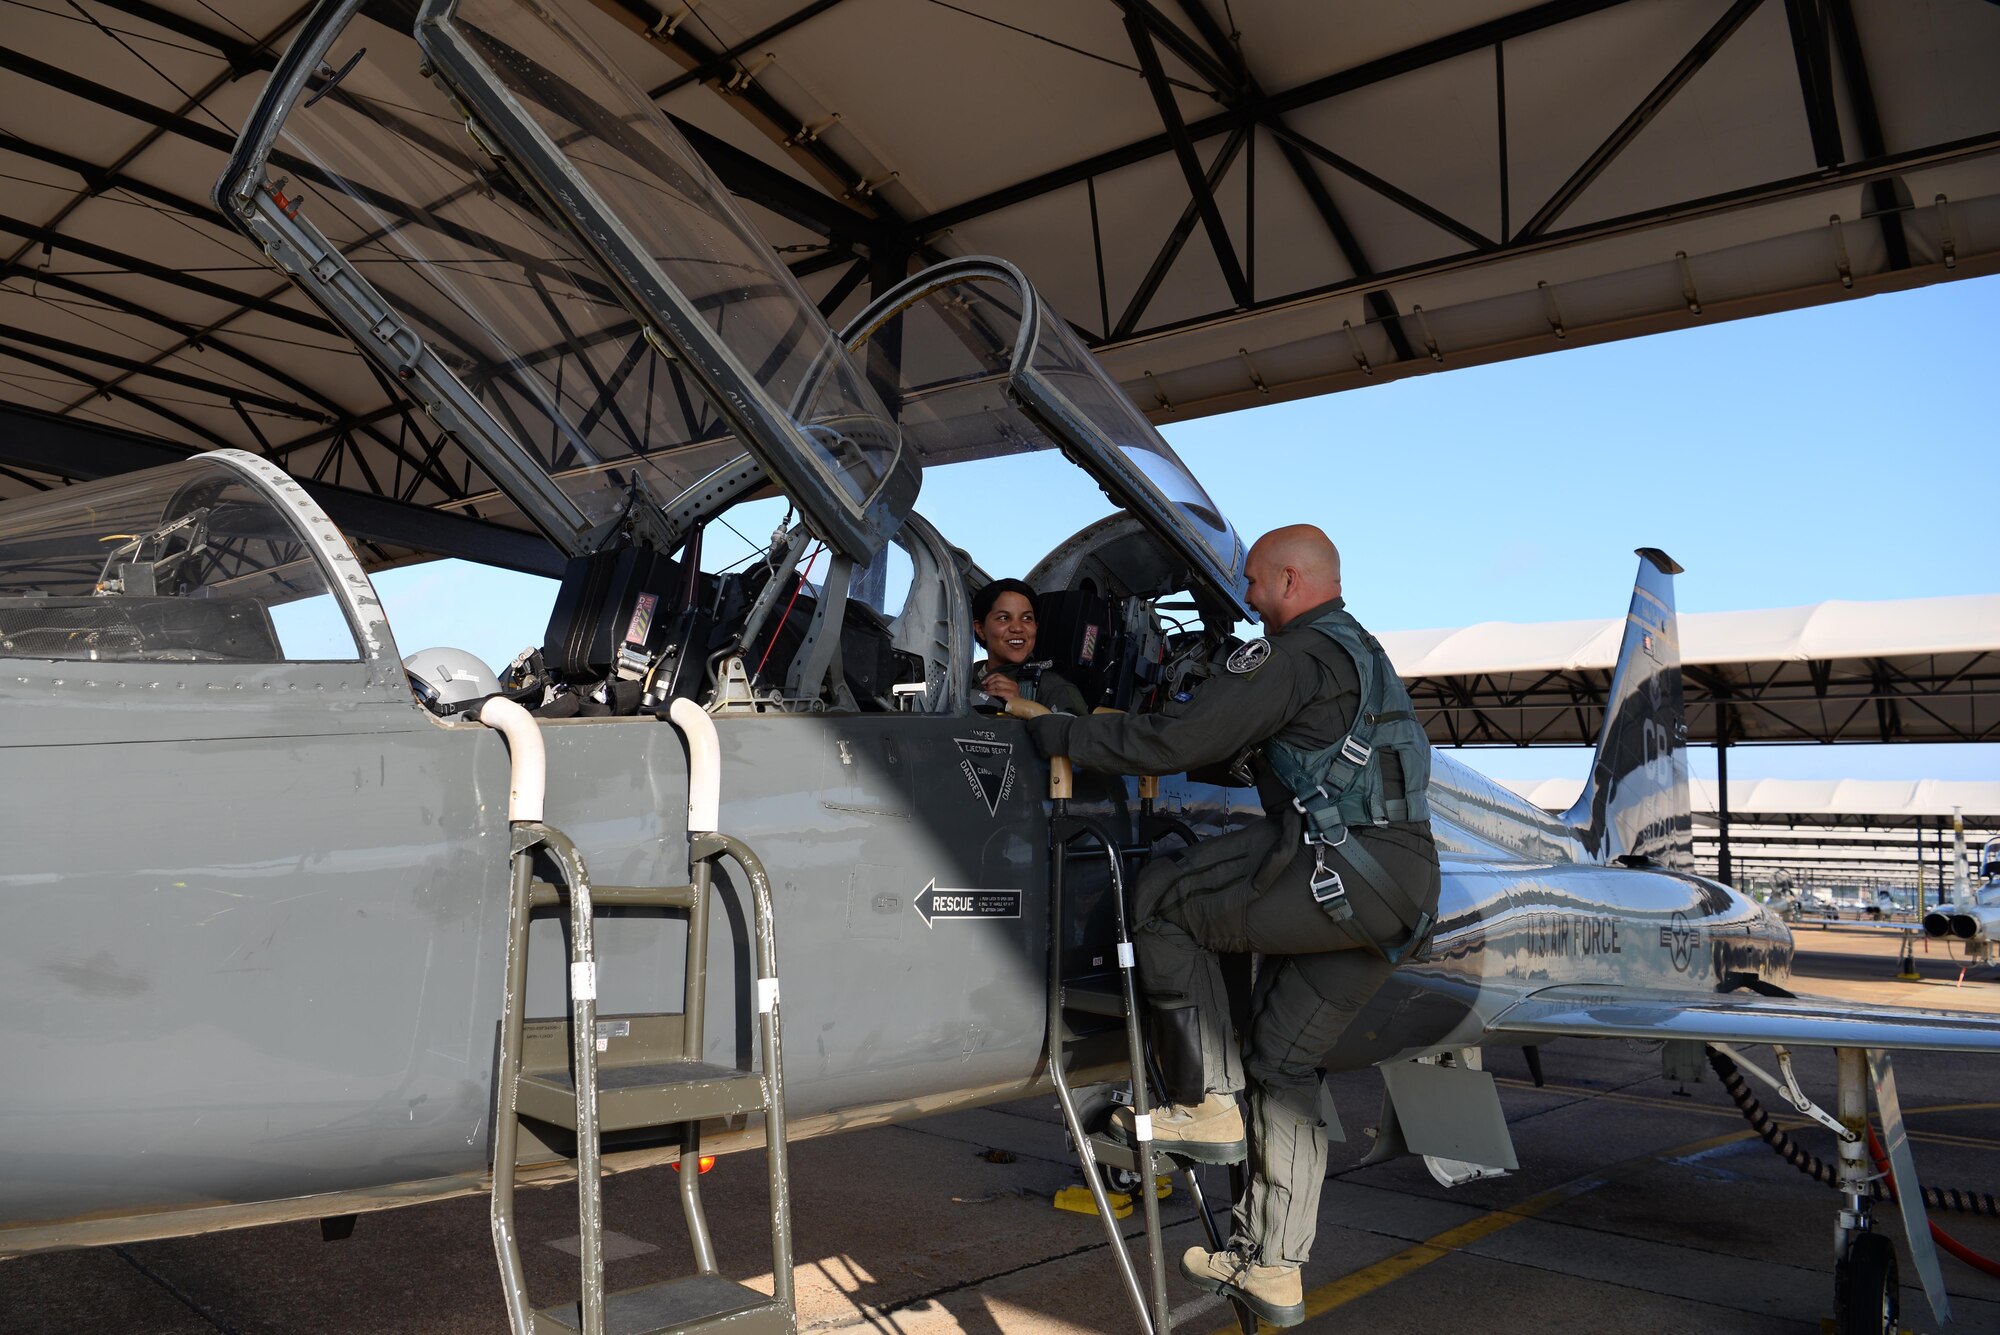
1553 311
1789 1088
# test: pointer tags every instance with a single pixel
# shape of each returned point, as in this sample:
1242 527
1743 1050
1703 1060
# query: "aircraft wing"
1602 1012
1859 925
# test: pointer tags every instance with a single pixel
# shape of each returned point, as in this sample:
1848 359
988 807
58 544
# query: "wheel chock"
1077 1199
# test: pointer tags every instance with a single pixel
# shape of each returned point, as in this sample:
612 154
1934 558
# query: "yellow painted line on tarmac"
1412 1259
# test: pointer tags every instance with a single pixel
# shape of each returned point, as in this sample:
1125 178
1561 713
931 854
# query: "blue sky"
1845 451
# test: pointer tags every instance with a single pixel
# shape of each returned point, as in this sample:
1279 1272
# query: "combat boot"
1273 1292
1208 1132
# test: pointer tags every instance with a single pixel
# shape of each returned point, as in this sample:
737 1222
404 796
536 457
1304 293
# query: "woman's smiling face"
1008 632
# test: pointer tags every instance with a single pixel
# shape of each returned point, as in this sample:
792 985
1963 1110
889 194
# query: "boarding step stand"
659 1080
1114 996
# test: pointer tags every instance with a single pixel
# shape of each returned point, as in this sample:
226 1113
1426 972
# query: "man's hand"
1017 707
1001 687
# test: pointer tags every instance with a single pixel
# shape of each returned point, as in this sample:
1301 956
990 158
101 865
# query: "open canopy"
977 366
1235 203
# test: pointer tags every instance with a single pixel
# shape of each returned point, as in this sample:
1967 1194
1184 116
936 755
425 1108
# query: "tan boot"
1209 1132
1273 1292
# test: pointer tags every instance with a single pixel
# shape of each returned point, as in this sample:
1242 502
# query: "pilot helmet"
449 680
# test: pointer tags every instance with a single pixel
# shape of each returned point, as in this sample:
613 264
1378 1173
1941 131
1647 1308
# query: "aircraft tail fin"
1635 805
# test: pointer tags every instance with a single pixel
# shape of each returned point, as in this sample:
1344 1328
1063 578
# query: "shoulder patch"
1250 657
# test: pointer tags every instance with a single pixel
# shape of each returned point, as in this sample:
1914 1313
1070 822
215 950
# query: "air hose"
1942 1238
1935 1198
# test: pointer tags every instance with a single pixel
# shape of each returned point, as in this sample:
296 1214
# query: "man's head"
1292 570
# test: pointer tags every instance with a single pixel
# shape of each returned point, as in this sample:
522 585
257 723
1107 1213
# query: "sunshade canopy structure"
1826 831
1232 202
1913 670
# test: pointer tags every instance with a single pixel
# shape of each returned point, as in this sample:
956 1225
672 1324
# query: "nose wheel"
1866 1300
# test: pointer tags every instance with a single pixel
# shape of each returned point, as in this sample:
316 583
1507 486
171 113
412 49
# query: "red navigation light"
707 1162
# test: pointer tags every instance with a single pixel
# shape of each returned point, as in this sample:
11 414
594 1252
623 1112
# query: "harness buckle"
1354 751
1328 890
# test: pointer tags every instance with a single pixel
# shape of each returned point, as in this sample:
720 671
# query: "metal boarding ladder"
1118 1000
657 1078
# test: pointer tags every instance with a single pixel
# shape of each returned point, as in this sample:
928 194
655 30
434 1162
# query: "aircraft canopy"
568 288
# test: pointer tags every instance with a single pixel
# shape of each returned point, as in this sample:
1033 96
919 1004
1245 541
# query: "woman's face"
1008 632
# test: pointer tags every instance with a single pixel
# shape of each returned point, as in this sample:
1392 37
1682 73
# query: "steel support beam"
725 61
1477 37
1163 263
1884 195
1199 188
1294 147
1641 116
71 449
1794 187
1808 22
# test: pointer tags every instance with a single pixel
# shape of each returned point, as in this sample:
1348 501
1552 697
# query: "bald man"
1333 887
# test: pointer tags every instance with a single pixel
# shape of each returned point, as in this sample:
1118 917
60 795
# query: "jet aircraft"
274 924
1971 917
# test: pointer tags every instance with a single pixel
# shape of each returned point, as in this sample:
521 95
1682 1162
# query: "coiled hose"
1795 1154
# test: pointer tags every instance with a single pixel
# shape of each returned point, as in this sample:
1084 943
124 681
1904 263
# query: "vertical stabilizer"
1961 874
1635 805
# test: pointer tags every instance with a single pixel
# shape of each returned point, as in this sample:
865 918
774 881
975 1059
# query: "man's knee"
1150 895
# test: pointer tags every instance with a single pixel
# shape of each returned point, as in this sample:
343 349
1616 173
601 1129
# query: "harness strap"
1370 869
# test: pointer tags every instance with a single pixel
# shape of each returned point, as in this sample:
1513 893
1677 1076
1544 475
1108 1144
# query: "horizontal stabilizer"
1586 1011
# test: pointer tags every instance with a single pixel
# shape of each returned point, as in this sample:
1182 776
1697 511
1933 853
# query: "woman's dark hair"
982 602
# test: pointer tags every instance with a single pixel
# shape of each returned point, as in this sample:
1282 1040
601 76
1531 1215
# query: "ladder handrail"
527 766
1153 1316
769 1034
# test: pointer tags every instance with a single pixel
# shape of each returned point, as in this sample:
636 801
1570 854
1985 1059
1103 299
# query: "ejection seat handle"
704 765
526 758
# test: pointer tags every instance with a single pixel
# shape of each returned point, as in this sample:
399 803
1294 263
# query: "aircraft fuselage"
260 976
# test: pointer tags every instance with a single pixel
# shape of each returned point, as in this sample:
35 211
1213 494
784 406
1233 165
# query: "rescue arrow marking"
935 903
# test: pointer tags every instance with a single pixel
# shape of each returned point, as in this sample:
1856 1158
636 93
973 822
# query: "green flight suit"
1048 687
1249 891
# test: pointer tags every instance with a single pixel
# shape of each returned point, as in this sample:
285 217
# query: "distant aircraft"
269 945
1971 917
1794 906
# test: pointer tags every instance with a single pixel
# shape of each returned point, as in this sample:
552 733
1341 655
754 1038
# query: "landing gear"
1866 1296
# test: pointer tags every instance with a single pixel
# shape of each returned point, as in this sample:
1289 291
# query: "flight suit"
1044 686
1249 891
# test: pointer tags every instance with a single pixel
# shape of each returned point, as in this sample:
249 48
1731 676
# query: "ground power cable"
1983 1264
1935 1198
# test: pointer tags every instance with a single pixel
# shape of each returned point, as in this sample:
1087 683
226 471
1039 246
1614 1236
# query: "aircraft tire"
1866 1296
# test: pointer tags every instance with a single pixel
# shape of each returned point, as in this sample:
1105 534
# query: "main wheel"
1866 1300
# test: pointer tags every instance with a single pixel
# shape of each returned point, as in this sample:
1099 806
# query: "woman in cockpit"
1003 621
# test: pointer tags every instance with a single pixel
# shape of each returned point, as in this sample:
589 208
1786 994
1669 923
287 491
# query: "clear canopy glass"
695 344
189 563
976 366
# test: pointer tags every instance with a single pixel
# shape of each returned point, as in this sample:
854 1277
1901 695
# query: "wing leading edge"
1601 1012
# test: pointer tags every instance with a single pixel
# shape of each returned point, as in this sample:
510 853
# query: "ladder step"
649 1094
1114 1154
542 894
1095 994
684 1306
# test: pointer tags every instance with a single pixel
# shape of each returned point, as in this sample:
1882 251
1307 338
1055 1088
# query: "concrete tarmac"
1639 1206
